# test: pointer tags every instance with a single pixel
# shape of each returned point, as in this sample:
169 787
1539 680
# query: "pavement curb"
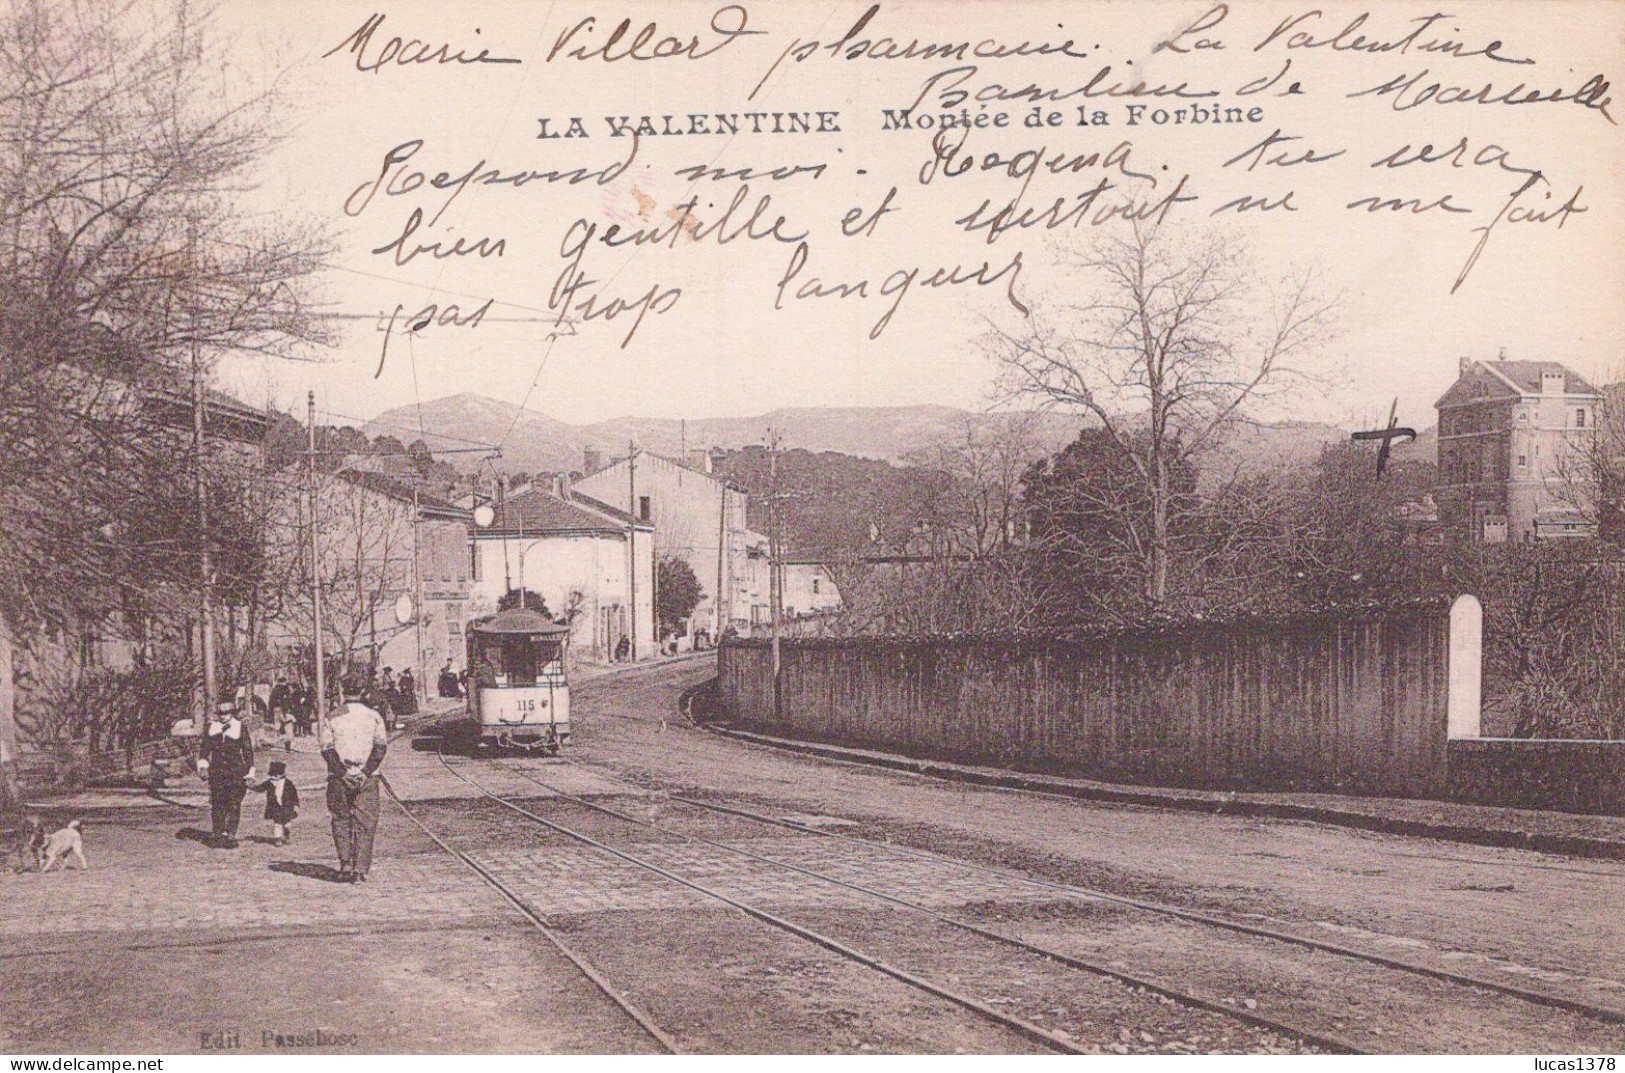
1500 837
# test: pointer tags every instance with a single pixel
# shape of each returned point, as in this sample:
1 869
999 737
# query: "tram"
518 690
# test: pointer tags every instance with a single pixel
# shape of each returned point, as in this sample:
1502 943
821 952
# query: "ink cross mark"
1387 435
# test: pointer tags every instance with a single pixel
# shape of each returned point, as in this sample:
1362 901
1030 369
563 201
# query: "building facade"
1513 439
55 679
592 563
809 588
394 577
698 517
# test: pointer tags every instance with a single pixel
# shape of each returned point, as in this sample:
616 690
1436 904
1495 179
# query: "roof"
601 507
518 620
400 490
541 512
223 414
1526 376
814 556
676 462
1507 380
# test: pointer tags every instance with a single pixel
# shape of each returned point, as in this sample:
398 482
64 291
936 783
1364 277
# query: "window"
473 560
643 508
1523 461
815 586
1580 418
1523 415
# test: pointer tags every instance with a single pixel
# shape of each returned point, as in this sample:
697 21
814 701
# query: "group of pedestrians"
394 698
353 740
293 707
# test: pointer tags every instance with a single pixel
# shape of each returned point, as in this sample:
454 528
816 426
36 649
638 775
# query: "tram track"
1314 1038
1471 981
536 919
1026 1029
1577 1006
540 922
1297 1026
1548 999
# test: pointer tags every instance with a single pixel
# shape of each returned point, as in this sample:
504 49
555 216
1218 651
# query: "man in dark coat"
226 760
282 701
406 692
304 707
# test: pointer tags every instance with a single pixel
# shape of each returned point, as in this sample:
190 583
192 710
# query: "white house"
591 562
809 588
698 517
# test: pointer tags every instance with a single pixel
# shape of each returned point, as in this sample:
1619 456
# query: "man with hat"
353 741
226 760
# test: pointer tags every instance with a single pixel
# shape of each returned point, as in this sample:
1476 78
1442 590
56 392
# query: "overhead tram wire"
722 149
541 366
501 127
407 428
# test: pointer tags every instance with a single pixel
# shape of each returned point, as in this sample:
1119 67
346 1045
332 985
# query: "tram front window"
528 661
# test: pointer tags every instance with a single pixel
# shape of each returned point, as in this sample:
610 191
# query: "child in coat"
281 802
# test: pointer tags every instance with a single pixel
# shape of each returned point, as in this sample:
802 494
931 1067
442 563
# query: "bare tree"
968 482
1162 347
1590 469
126 261
366 545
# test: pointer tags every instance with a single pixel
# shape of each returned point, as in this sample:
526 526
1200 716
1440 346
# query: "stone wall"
1334 702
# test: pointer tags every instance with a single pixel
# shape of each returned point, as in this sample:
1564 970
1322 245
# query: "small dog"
27 845
59 845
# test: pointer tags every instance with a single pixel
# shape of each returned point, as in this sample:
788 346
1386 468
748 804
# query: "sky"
1537 290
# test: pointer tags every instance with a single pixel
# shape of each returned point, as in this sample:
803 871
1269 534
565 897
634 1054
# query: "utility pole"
206 564
422 671
722 557
315 567
502 509
654 587
775 583
631 545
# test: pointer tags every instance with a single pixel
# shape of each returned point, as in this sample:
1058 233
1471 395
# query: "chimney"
558 485
1551 381
592 460
1502 356
1464 364
700 459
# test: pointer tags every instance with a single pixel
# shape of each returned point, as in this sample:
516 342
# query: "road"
636 896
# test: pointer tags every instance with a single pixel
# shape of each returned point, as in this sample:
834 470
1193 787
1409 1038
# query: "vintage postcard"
760 527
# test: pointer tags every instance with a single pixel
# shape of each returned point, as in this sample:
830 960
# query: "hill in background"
852 471
534 442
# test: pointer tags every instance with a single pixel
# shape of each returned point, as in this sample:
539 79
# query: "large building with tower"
1514 437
